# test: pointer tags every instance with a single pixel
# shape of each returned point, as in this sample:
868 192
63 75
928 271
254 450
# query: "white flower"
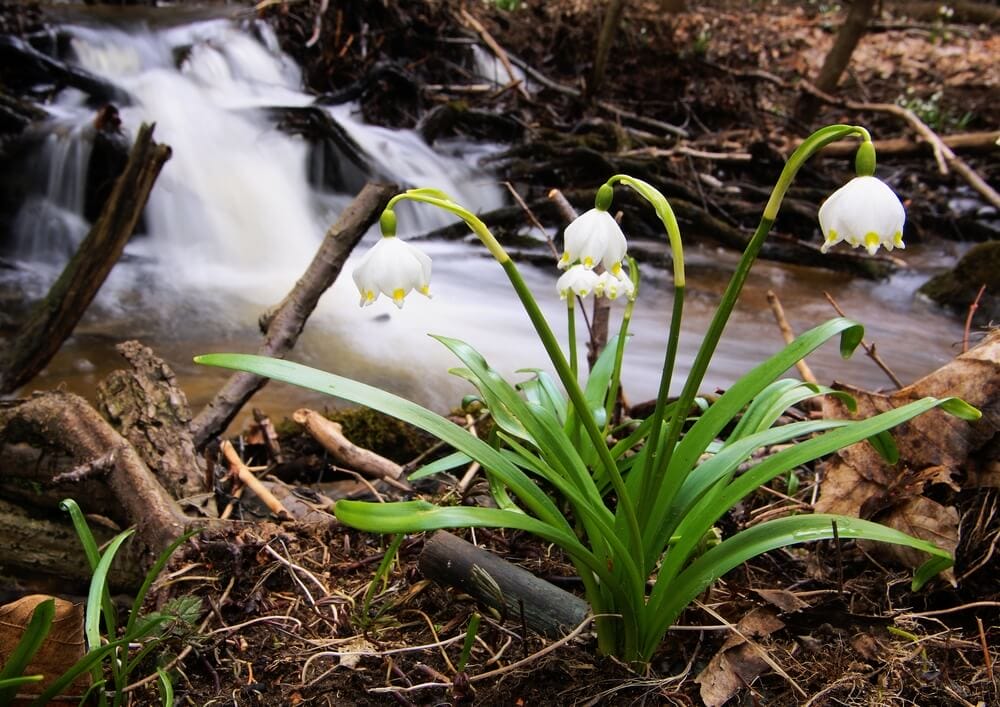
578 280
392 267
612 287
864 212
594 237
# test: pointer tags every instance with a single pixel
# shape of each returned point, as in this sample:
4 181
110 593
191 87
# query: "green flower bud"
602 202
387 222
864 161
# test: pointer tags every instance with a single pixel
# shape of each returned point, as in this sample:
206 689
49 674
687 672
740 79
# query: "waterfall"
234 218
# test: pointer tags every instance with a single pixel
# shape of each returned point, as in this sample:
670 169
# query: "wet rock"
957 288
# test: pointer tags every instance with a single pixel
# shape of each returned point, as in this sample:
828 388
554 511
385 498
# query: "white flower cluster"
594 238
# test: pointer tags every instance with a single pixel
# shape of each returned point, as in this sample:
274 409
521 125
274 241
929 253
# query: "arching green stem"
666 215
807 149
548 339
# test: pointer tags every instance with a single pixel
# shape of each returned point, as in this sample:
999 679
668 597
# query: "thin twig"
968 319
869 348
243 473
789 336
93 468
943 155
497 50
987 658
950 610
534 220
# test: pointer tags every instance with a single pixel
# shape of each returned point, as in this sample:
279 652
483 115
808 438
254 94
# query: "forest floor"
288 617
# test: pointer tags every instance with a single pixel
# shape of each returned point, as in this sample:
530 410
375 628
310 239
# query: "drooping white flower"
594 237
394 268
612 287
865 212
578 281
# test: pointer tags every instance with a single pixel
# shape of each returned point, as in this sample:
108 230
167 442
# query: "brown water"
472 301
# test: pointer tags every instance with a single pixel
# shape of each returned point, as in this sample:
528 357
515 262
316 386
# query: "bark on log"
500 585
67 423
283 324
984 142
35 545
53 319
26 474
149 410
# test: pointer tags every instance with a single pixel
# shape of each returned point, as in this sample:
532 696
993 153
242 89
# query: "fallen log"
68 424
53 319
283 324
499 585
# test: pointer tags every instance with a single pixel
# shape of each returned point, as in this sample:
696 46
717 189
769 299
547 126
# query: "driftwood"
283 324
330 435
35 66
73 428
499 585
53 319
148 408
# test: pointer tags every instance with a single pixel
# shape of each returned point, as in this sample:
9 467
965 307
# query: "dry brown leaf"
737 663
785 600
63 647
934 448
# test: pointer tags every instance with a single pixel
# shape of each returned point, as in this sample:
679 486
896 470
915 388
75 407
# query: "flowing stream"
234 219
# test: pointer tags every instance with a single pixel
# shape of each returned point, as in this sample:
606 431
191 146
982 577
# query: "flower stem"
571 333
807 149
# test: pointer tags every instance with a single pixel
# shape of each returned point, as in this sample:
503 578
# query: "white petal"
578 280
589 237
865 212
394 268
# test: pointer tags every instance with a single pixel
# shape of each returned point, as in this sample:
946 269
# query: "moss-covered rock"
957 288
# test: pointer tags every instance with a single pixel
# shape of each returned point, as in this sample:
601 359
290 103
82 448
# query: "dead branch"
53 319
788 335
283 325
330 434
67 423
242 473
984 142
869 348
506 588
943 154
497 50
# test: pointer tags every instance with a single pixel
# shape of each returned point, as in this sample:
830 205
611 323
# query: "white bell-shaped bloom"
613 287
394 268
865 212
594 237
578 281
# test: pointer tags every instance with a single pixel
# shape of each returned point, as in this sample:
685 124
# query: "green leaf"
98 588
769 536
419 516
91 660
166 688
446 463
402 409
151 575
31 640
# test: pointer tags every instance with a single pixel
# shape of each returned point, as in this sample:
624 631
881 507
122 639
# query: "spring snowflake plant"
636 515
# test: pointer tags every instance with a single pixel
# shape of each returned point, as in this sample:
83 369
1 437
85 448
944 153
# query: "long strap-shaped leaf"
708 426
708 510
770 536
402 409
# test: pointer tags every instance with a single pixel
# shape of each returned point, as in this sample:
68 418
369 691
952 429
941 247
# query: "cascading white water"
233 220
